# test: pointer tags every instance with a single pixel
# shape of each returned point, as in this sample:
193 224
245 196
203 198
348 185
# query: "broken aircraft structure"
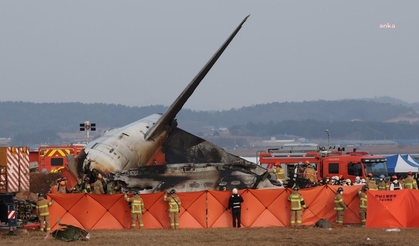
153 154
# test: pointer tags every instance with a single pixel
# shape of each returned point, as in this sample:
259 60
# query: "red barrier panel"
193 213
217 202
90 211
393 209
351 199
266 208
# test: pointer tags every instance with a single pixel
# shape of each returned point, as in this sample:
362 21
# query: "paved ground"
353 235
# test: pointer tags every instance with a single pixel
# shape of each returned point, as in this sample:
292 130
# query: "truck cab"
54 158
352 164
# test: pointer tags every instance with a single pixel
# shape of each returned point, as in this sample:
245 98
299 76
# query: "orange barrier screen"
208 209
393 209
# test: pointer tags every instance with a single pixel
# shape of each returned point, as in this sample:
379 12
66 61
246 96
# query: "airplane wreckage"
153 154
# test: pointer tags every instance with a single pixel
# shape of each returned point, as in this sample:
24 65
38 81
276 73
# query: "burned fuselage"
194 164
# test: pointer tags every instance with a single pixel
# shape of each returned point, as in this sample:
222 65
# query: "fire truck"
328 163
53 158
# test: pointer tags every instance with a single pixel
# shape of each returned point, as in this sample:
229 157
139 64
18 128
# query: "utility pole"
87 126
328 138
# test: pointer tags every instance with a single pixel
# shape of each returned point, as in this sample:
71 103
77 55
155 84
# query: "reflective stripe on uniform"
363 203
296 198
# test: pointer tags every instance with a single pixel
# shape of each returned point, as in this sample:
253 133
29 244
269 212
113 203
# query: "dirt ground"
353 235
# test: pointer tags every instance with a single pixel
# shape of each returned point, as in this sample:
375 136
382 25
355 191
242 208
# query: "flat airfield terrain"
352 235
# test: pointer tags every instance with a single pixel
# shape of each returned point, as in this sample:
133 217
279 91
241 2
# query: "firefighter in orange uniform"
98 186
62 187
85 186
383 185
363 204
310 173
340 206
43 212
371 182
410 182
174 208
279 173
137 209
297 205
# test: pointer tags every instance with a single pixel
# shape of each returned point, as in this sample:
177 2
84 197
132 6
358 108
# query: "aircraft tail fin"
177 105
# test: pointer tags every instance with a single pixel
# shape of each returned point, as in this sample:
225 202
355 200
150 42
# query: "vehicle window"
377 168
334 168
354 169
57 161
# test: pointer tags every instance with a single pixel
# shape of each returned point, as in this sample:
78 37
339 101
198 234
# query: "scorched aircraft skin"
190 163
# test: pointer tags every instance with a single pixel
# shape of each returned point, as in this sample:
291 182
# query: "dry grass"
229 236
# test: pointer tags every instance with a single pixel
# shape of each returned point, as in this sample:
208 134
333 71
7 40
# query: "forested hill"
50 118
65 117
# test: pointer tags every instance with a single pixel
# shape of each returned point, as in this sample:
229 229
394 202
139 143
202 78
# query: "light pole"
328 137
87 126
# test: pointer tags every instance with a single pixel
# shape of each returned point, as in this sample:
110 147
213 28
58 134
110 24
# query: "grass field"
228 237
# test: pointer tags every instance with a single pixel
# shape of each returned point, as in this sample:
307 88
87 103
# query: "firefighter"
299 175
62 187
98 186
341 180
279 173
43 212
297 205
85 187
118 188
300 170
234 203
371 182
357 181
174 208
363 204
392 178
310 173
395 185
75 189
137 209
410 182
335 180
340 206
327 181
382 185
110 188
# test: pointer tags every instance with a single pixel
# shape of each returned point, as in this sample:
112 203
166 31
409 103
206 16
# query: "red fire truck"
53 158
328 163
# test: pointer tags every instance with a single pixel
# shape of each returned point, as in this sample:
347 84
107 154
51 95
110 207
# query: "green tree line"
42 121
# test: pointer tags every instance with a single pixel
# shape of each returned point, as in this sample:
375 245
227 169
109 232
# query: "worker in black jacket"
235 204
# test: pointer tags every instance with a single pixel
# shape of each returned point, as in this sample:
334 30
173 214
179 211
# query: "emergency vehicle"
53 158
8 218
328 163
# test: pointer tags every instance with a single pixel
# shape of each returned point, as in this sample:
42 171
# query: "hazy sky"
140 53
